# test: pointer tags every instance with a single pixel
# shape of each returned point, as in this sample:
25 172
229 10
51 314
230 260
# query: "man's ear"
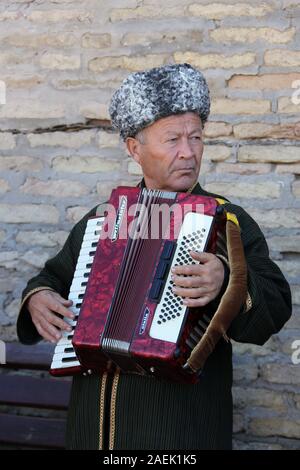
133 148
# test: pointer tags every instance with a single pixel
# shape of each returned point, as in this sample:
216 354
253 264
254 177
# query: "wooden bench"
23 396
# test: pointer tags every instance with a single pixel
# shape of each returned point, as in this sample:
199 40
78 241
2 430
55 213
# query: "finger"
189 281
53 319
201 302
56 306
50 329
202 257
45 334
192 293
188 270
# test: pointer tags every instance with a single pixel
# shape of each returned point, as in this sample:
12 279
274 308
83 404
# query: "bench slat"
29 431
37 356
34 392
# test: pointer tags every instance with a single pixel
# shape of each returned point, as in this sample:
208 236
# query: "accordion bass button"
152 370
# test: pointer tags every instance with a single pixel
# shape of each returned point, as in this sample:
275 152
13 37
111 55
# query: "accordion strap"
231 301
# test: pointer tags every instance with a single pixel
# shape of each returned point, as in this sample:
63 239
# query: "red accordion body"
129 317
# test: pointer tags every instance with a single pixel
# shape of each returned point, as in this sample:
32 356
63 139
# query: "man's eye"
196 137
173 139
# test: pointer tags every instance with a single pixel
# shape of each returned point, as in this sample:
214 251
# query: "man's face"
170 153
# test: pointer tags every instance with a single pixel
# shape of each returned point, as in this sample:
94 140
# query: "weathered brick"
286 105
217 129
9 259
74 214
40 40
250 35
28 213
7 141
59 16
124 14
12 309
132 39
292 168
25 81
244 372
245 190
108 140
95 111
216 153
242 445
134 168
62 139
258 397
20 163
30 109
295 294
12 58
84 164
256 130
282 58
244 168
276 218
269 153
281 373
296 188
96 41
217 11
48 239
10 15
288 244
240 106
59 61
35 259
131 63
269 81
104 188
206 61
275 426
238 422
4 186
58 188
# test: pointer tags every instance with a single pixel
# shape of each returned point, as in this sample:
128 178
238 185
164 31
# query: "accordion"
126 314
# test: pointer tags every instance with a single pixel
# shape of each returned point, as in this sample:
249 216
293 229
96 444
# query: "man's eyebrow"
198 129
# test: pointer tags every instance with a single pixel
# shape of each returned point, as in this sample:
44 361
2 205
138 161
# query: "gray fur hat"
145 97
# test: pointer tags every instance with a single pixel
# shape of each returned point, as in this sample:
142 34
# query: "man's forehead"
182 123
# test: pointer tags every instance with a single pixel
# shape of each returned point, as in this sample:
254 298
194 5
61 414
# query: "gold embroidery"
102 408
113 410
248 303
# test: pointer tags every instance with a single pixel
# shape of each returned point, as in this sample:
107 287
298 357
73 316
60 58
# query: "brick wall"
60 62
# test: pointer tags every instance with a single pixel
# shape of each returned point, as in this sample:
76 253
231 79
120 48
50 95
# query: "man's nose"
186 149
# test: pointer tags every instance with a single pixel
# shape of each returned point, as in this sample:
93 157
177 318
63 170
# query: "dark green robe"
147 413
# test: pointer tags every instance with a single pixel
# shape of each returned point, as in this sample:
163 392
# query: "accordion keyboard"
64 354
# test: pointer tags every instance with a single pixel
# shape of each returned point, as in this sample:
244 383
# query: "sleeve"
57 275
268 305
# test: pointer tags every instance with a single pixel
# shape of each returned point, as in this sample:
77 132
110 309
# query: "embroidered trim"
102 408
113 410
248 303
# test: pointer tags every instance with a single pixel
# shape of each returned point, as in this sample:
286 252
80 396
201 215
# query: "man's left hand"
199 283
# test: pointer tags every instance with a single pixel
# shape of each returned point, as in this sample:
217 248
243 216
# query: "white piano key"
78 283
58 364
59 356
60 348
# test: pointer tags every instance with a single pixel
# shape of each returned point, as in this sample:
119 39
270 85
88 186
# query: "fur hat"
145 97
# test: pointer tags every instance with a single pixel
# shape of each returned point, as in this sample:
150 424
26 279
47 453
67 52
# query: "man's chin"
182 184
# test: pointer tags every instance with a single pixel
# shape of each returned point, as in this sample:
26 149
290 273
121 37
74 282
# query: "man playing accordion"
160 114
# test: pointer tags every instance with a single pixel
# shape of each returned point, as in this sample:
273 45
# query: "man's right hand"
46 308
